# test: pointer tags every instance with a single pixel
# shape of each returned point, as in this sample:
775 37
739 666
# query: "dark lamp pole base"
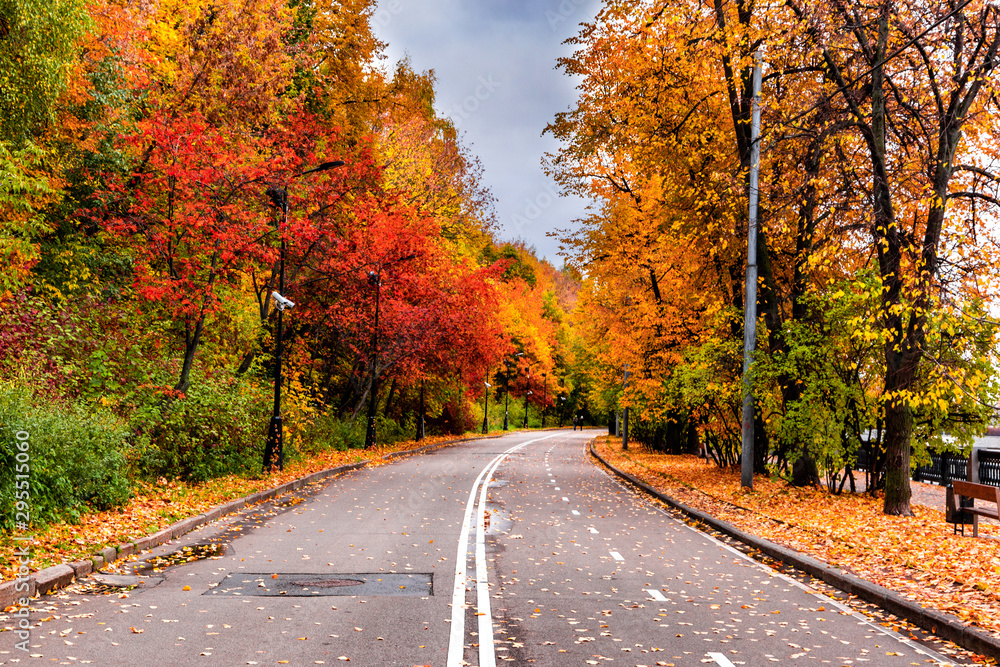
370 434
273 449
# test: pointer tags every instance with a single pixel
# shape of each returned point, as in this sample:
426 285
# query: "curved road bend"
515 550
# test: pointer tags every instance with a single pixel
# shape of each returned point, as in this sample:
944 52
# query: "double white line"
456 644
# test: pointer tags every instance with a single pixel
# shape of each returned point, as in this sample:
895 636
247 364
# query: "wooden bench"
979 492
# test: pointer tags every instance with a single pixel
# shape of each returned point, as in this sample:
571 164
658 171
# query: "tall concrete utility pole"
750 305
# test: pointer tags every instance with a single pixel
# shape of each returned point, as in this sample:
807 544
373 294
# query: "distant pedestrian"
574 422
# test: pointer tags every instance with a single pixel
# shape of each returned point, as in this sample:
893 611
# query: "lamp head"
324 167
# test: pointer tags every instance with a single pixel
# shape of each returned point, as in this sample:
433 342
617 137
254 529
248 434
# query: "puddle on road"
100 586
188 554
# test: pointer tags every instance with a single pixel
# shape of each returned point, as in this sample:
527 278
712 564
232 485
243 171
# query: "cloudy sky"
495 66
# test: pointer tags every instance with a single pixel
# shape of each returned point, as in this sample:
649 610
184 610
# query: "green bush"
328 432
73 457
389 431
216 429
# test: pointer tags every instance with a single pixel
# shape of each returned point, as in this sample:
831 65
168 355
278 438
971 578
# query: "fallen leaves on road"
917 556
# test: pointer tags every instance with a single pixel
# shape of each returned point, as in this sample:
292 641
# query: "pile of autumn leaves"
917 556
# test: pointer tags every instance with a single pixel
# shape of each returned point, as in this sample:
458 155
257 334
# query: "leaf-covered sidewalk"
156 506
917 556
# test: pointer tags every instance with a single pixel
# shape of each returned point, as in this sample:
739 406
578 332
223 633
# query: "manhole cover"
310 585
329 583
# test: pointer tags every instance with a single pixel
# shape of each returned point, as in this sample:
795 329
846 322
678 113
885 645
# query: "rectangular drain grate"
312 584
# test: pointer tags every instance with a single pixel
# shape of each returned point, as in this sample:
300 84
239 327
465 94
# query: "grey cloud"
495 66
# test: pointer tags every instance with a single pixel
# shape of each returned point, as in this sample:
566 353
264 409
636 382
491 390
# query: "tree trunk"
191 341
247 361
899 426
392 394
889 242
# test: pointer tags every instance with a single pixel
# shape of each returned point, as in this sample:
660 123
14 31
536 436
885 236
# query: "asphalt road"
512 550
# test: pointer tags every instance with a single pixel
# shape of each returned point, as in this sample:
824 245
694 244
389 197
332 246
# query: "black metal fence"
957 468
989 467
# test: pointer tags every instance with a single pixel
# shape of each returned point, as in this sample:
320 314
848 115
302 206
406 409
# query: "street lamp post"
506 398
628 304
527 373
274 453
486 405
625 416
420 420
375 280
545 397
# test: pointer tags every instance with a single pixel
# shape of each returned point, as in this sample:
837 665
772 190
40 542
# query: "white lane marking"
487 654
558 489
565 499
593 530
575 513
720 659
456 640
617 556
656 595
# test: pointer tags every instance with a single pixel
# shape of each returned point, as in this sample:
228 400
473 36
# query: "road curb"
936 622
59 576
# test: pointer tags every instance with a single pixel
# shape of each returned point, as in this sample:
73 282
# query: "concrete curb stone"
82 568
60 576
181 527
160 537
51 578
9 593
941 624
232 506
